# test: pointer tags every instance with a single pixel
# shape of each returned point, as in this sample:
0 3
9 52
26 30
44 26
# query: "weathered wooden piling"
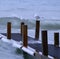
44 43
37 29
24 35
9 30
22 23
56 39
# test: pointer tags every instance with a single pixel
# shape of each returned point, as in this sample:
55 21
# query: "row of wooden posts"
23 26
25 36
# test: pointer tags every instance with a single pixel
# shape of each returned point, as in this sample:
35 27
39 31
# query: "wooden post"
22 23
44 43
56 39
37 29
24 36
9 30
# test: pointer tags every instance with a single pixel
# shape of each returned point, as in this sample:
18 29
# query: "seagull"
36 16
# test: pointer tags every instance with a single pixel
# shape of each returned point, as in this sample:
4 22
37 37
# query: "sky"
28 8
